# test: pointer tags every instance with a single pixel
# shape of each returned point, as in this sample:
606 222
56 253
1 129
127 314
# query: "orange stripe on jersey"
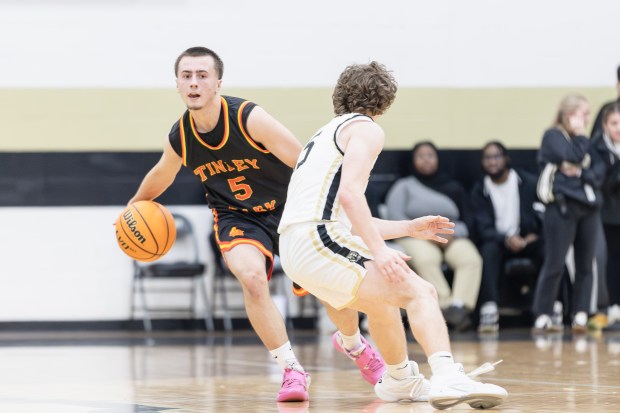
227 246
243 131
226 129
217 238
183 144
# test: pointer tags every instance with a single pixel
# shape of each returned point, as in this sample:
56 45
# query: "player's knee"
254 282
423 291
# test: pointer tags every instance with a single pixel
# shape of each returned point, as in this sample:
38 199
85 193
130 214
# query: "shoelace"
373 364
292 381
483 369
418 387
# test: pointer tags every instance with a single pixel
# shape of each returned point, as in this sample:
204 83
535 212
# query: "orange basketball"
145 230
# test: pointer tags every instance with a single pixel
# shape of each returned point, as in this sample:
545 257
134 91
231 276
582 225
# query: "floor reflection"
199 372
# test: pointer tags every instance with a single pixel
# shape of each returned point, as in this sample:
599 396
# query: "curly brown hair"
364 88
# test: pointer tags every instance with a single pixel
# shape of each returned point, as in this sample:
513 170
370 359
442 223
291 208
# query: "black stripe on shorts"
352 256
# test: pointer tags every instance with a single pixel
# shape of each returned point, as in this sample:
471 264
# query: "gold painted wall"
139 119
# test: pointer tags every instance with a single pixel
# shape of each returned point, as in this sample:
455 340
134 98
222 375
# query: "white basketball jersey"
313 187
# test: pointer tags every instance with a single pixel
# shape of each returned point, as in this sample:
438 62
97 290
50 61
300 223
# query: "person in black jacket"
506 224
607 145
597 126
569 184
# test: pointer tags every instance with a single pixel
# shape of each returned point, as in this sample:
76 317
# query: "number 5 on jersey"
245 190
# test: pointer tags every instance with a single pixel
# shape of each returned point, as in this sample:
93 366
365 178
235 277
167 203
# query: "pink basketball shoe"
294 386
369 362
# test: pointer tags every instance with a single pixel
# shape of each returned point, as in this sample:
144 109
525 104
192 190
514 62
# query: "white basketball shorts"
325 259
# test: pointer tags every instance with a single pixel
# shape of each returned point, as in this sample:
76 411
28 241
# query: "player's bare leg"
449 384
350 342
402 379
247 263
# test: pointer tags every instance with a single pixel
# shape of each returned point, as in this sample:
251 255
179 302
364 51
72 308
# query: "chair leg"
227 319
282 288
193 296
208 315
146 319
132 304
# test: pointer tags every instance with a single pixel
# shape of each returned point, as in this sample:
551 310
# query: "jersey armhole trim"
247 136
346 122
183 144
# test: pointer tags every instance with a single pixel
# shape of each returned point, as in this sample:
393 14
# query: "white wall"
63 264
477 43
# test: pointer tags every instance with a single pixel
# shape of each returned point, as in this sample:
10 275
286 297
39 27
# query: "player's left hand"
430 226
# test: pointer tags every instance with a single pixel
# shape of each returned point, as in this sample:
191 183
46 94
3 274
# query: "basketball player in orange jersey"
244 159
331 246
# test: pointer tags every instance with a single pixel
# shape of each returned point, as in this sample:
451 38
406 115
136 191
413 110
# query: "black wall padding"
85 179
111 178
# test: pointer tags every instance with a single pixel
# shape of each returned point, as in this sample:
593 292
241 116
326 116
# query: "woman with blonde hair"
569 185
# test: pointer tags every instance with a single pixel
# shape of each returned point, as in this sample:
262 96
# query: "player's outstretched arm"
274 136
429 227
160 177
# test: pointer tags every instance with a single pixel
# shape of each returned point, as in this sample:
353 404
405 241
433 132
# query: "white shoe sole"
477 401
392 399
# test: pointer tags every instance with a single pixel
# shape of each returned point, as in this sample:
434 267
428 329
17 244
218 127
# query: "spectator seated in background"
430 192
506 225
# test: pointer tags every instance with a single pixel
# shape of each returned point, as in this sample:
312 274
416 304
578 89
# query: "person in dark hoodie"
506 225
430 191
607 146
597 126
569 184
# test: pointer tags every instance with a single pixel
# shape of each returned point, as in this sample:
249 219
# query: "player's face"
425 160
612 126
197 81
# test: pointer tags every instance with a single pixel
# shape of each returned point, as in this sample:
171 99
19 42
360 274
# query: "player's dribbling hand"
392 264
430 227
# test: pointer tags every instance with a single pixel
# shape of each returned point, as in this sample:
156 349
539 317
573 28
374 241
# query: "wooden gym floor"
182 372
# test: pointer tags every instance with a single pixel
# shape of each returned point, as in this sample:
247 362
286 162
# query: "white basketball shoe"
449 390
412 388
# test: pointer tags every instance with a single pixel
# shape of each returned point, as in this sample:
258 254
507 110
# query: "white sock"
441 363
399 371
353 342
285 357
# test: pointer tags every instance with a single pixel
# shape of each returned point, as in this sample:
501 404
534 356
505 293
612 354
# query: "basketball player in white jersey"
332 247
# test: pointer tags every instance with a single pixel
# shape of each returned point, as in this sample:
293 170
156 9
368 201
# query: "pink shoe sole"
294 386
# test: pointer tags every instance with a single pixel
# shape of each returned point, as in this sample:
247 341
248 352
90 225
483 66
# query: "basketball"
145 231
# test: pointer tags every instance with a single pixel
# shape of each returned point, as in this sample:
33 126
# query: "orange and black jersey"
236 172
